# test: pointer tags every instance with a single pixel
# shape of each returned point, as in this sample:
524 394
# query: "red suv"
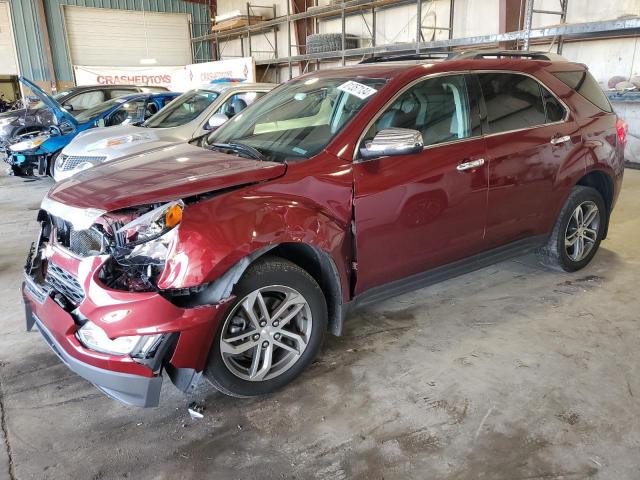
232 258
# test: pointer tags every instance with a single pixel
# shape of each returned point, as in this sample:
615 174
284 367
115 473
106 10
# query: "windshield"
99 109
298 119
182 110
58 96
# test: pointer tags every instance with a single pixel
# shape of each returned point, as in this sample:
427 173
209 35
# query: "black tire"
555 255
51 170
18 172
267 272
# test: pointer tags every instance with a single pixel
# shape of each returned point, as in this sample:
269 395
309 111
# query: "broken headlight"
152 225
95 338
29 144
142 248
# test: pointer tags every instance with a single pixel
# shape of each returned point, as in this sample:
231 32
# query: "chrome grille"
71 162
64 283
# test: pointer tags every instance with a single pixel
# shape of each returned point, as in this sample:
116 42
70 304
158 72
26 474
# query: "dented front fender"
218 232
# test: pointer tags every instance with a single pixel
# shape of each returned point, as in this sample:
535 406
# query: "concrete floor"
512 372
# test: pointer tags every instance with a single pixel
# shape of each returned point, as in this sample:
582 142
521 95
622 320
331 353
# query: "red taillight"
622 128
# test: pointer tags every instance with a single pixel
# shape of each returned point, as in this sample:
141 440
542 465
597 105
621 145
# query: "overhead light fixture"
148 61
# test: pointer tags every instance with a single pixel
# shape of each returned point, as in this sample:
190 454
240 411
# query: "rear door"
530 138
418 211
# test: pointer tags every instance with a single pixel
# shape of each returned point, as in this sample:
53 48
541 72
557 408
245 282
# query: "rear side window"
513 101
584 83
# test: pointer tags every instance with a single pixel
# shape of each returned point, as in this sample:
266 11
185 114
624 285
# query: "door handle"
469 165
560 140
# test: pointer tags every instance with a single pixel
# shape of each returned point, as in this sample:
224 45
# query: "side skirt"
445 272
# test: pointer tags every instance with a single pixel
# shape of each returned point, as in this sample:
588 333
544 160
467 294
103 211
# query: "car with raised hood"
192 115
233 259
37 151
74 100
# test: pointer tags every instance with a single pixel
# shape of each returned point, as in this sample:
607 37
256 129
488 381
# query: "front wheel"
52 164
578 231
272 332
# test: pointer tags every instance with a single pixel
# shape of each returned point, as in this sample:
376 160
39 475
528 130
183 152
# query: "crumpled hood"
161 175
60 113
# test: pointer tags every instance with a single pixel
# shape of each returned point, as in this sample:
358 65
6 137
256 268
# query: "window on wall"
439 108
513 101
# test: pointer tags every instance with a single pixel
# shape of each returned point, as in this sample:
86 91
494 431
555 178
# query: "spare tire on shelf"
330 42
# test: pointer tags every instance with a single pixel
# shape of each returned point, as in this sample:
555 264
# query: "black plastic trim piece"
185 379
448 271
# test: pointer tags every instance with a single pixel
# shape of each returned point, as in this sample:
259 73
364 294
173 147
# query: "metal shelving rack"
561 32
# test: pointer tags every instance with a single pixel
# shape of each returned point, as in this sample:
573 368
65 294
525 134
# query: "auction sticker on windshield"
359 90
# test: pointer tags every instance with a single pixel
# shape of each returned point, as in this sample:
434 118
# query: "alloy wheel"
266 333
582 231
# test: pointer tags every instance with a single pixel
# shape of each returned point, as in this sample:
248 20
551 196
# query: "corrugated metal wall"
30 41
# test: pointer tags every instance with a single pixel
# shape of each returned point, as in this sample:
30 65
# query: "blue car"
36 152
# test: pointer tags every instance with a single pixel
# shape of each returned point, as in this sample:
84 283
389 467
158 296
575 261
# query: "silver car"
189 116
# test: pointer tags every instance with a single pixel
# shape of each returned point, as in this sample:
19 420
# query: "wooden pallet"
236 22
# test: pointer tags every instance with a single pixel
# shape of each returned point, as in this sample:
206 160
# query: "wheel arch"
603 183
322 268
315 261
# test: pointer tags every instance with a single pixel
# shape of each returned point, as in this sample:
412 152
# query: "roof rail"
435 55
480 54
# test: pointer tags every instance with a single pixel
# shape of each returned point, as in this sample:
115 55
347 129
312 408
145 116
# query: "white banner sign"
178 79
199 74
142 76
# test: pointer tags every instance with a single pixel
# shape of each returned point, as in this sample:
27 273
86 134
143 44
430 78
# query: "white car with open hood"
189 116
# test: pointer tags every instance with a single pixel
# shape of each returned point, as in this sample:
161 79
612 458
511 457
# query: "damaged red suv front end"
106 287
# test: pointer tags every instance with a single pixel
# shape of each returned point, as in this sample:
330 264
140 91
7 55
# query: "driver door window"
121 93
238 102
150 110
85 101
438 108
128 113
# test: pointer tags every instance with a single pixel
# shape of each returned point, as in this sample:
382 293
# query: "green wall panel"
30 42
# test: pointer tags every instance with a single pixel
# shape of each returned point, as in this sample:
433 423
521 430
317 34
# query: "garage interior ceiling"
106 37
8 62
342 15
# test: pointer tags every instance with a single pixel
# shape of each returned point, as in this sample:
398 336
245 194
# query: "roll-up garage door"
8 63
116 38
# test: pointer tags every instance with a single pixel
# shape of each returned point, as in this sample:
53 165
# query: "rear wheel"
272 332
578 231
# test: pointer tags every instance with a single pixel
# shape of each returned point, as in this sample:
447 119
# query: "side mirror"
68 107
393 141
216 120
